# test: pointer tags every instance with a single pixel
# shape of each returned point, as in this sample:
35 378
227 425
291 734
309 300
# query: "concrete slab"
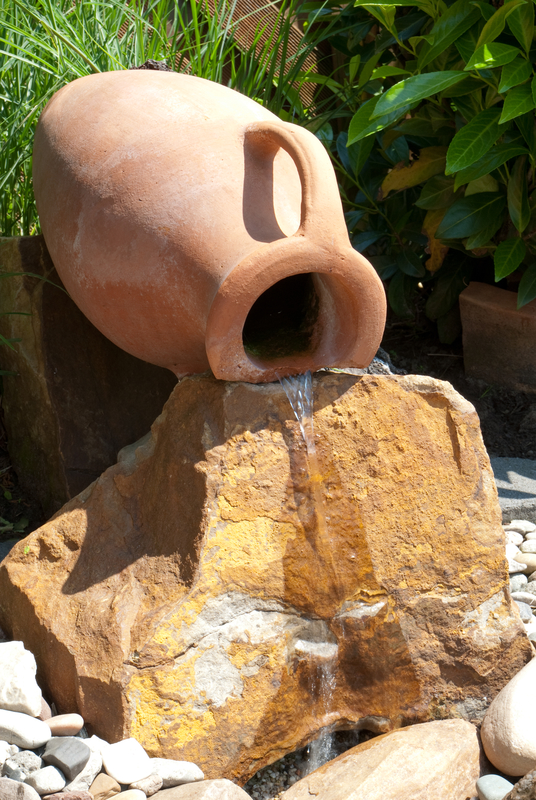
516 484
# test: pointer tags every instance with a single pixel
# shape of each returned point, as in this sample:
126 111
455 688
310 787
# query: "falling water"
299 390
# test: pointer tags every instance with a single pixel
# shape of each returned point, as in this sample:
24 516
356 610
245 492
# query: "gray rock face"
22 730
13 790
18 688
26 760
68 754
85 778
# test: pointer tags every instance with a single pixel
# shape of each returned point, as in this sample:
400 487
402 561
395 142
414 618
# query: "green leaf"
495 25
518 101
368 69
410 264
455 21
533 89
470 215
514 73
521 23
449 325
466 43
438 192
486 183
525 124
508 256
483 236
416 88
517 192
451 280
362 125
473 140
527 287
464 87
388 72
492 55
401 288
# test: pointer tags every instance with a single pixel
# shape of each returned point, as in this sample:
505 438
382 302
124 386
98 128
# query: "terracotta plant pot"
196 230
498 338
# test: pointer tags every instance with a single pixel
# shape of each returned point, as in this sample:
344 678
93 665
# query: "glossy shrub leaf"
514 73
438 192
486 183
385 266
508 256
533 89
410 264
473 140
435 247
451 280
388 72
521 23
468 85
495 25
399 294
413 90
483 236
525 124
364 239
518 101
353 217
527 287
470 215
430 162
362 124
517 192
492 55
496 157
453 23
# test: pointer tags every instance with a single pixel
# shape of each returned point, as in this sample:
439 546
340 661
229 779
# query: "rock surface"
525 789
174 773
18 688
220 602
493 787
104 787
23 730
47 780
436 759
508 731
204 790
14 790
127 762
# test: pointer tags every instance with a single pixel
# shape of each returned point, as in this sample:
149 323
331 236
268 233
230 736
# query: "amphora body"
196 230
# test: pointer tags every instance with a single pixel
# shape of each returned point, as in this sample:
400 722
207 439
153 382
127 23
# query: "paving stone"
68 754
23 730
18 688
13 790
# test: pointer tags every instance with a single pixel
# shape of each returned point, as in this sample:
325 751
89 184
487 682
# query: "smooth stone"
65 724
24 731
68 795
525 611
175 773
25 760
85 778
493 787
97 744
6 751
150 785
14 773
530 536
131 794
46 711
68 754
508 731
525 597
528 547
127 761
47 780
513 537
521 526
104 787
13 790
219 789
511 550
18 688
530 586
529 559
514 567
517 582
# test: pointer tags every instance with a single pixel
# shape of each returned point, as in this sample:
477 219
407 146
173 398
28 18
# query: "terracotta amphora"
196 230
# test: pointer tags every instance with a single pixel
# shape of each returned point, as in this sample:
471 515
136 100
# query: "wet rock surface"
200 546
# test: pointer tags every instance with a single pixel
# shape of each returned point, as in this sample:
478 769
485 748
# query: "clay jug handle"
321 208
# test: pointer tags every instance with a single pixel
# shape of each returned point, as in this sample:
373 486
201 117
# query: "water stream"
299 390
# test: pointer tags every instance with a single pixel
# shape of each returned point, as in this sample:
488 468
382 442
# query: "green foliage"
428 77
45 44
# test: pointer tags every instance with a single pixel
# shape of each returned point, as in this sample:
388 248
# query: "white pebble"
18 688
24 731
127 762
493 787
528 547
174 773
513 537
47 780
521 526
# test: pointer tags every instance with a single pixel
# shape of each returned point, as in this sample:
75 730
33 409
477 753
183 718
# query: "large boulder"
75 399
434 760
197 598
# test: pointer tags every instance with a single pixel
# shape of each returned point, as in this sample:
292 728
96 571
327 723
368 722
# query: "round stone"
175 773
521 526
23 730
529 559
513 537
528 547
65 724
131 794
493 787
525 597
150 785
127 762
530 536
518 582
47 780
525 611
508 731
